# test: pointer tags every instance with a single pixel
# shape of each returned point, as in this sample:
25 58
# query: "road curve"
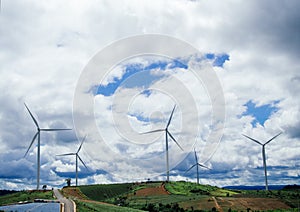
69 206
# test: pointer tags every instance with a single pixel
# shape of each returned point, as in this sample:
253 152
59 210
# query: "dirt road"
69 206
217 205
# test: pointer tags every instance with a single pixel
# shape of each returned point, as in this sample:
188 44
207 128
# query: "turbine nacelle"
264 154
258 142
166 129
168 134
77 157
38 135
197 164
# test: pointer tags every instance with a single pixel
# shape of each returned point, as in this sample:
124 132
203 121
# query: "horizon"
234 187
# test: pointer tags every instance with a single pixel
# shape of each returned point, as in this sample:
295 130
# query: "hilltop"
178 196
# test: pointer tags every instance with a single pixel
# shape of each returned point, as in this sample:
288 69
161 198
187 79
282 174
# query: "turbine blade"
36 123
67 154
34 137
273 138
195 155
81 144
153 131
256 141
203 166
174 140
54 129
82 161
190 168
171 116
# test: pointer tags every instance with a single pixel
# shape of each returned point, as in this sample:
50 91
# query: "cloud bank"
253 48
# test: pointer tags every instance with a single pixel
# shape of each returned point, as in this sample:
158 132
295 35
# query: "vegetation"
4 192
188 188
171 196
83 206
22 196
289 195
104 192
180 195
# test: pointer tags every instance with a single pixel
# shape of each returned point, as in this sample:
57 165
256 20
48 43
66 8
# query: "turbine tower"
77 157
38 134
167 145
264 155
197 164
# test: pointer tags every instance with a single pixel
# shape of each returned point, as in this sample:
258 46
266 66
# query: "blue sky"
45 48
260 113
217 60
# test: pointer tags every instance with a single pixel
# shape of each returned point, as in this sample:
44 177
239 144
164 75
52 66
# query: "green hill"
103 192
186 196
23 196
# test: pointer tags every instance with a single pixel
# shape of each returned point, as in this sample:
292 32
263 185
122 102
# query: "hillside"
179 196
24 196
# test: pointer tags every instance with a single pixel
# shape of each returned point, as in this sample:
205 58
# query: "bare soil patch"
155 191
73 192
199 204
252 203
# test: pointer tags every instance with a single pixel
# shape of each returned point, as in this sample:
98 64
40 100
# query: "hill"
24 196
179 196
5 192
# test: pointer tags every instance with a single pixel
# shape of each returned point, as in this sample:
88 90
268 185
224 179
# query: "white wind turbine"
167 144
77 157
197 164
264 155
38 134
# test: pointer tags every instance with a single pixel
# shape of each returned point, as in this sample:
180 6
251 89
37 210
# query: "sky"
75 65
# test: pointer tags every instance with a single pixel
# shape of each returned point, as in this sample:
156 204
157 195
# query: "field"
180 196
23 196
171 196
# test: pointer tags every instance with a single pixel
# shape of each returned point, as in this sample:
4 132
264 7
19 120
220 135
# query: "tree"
44 187
68 180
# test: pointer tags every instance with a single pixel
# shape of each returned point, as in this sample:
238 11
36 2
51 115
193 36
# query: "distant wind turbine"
77 157
167 145
38 134
197 164
264 155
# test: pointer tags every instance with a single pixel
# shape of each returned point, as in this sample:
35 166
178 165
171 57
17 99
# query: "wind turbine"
197 164
264 155
77 157
167 145
38 134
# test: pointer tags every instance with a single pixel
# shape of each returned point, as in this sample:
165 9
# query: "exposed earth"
158 190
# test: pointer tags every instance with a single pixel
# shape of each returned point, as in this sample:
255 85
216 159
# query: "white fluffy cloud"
45 46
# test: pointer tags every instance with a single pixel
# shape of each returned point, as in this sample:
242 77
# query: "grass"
183 195
85 207
180 194
104 192
190 189
25 196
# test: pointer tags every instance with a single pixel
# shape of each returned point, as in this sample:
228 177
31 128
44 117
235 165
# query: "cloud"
45 47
